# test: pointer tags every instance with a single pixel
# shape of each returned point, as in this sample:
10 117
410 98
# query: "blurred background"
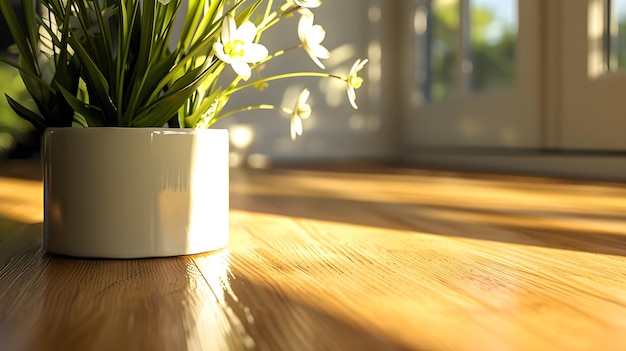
17 138
501 85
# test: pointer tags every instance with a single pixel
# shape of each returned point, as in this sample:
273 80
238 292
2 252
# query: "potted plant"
125 103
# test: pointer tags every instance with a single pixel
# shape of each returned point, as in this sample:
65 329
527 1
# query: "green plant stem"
233 90
278 53
268 8
276 19
250 108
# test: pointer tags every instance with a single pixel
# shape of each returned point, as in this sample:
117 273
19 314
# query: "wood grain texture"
354 258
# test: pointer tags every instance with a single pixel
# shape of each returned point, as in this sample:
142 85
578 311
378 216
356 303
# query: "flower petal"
295 127
304 96
242 69
246 32
311 37
352 98
229 27
218 49
357 66
308 3
304 25
313 57
316 34
254 53
354 81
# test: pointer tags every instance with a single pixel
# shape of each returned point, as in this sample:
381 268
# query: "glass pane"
493 36
443 34
615 30
620 9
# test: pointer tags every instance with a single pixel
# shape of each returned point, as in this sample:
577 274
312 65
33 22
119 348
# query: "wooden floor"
335 258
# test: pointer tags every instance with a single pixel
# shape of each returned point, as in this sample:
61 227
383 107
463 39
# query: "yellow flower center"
234 48
356 82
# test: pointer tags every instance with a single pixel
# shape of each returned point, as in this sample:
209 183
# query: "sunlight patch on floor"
22 200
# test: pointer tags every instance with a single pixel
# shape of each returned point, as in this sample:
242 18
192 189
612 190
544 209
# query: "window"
496 79
476 73
465 46
614 38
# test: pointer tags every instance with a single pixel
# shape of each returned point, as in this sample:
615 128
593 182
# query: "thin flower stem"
268 9
269 57
276 19
277 54
250 108
233 90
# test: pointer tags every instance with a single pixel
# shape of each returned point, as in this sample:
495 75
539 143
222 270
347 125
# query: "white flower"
301 111
311 37
354 81
308 3
237 47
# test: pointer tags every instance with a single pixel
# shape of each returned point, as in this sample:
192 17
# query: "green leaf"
91 114
145 44
201 26
97 84
36 120
193 119
94 45
67 66
149 84
245 14
105 39
204 47
23 44
31 24
163 109
29 74
125 27
153 58
194 7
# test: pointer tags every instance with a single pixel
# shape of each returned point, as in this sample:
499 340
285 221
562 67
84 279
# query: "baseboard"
599 166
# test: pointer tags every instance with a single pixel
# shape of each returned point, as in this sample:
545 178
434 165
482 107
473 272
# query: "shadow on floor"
545 228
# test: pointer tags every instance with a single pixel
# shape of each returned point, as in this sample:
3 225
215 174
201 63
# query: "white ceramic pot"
135 192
